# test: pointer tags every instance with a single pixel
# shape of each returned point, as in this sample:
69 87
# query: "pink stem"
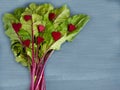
42 69
33 62
39 78
42 85
43 82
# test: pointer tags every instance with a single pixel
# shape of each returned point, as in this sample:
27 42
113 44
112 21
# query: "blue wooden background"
91 62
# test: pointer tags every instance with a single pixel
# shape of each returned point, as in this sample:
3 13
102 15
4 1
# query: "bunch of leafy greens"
36 31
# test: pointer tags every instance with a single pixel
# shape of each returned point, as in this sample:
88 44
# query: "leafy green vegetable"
36 31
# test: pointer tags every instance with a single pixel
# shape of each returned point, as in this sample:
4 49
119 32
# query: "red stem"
33 61
38 71
42 85
41 71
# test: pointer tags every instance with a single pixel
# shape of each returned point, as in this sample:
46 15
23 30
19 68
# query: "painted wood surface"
90 62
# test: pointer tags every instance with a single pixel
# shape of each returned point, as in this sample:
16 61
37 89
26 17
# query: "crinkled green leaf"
16 47
62 14
11 34
37 20
29 52
63 28
31 9
19 52
24 34
18 12
44 9
8 19
27 28
78 20
33 6
26 25
36 17
21 59
49 27
57 44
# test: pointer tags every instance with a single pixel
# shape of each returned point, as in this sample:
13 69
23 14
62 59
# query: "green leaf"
21 59
62 14
16 48
26 25
18 12
36 17
29 52
20 53
63 27
31 9
24 34
79 21
44 9
37 20
8 19
11 34
33 6
57 44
